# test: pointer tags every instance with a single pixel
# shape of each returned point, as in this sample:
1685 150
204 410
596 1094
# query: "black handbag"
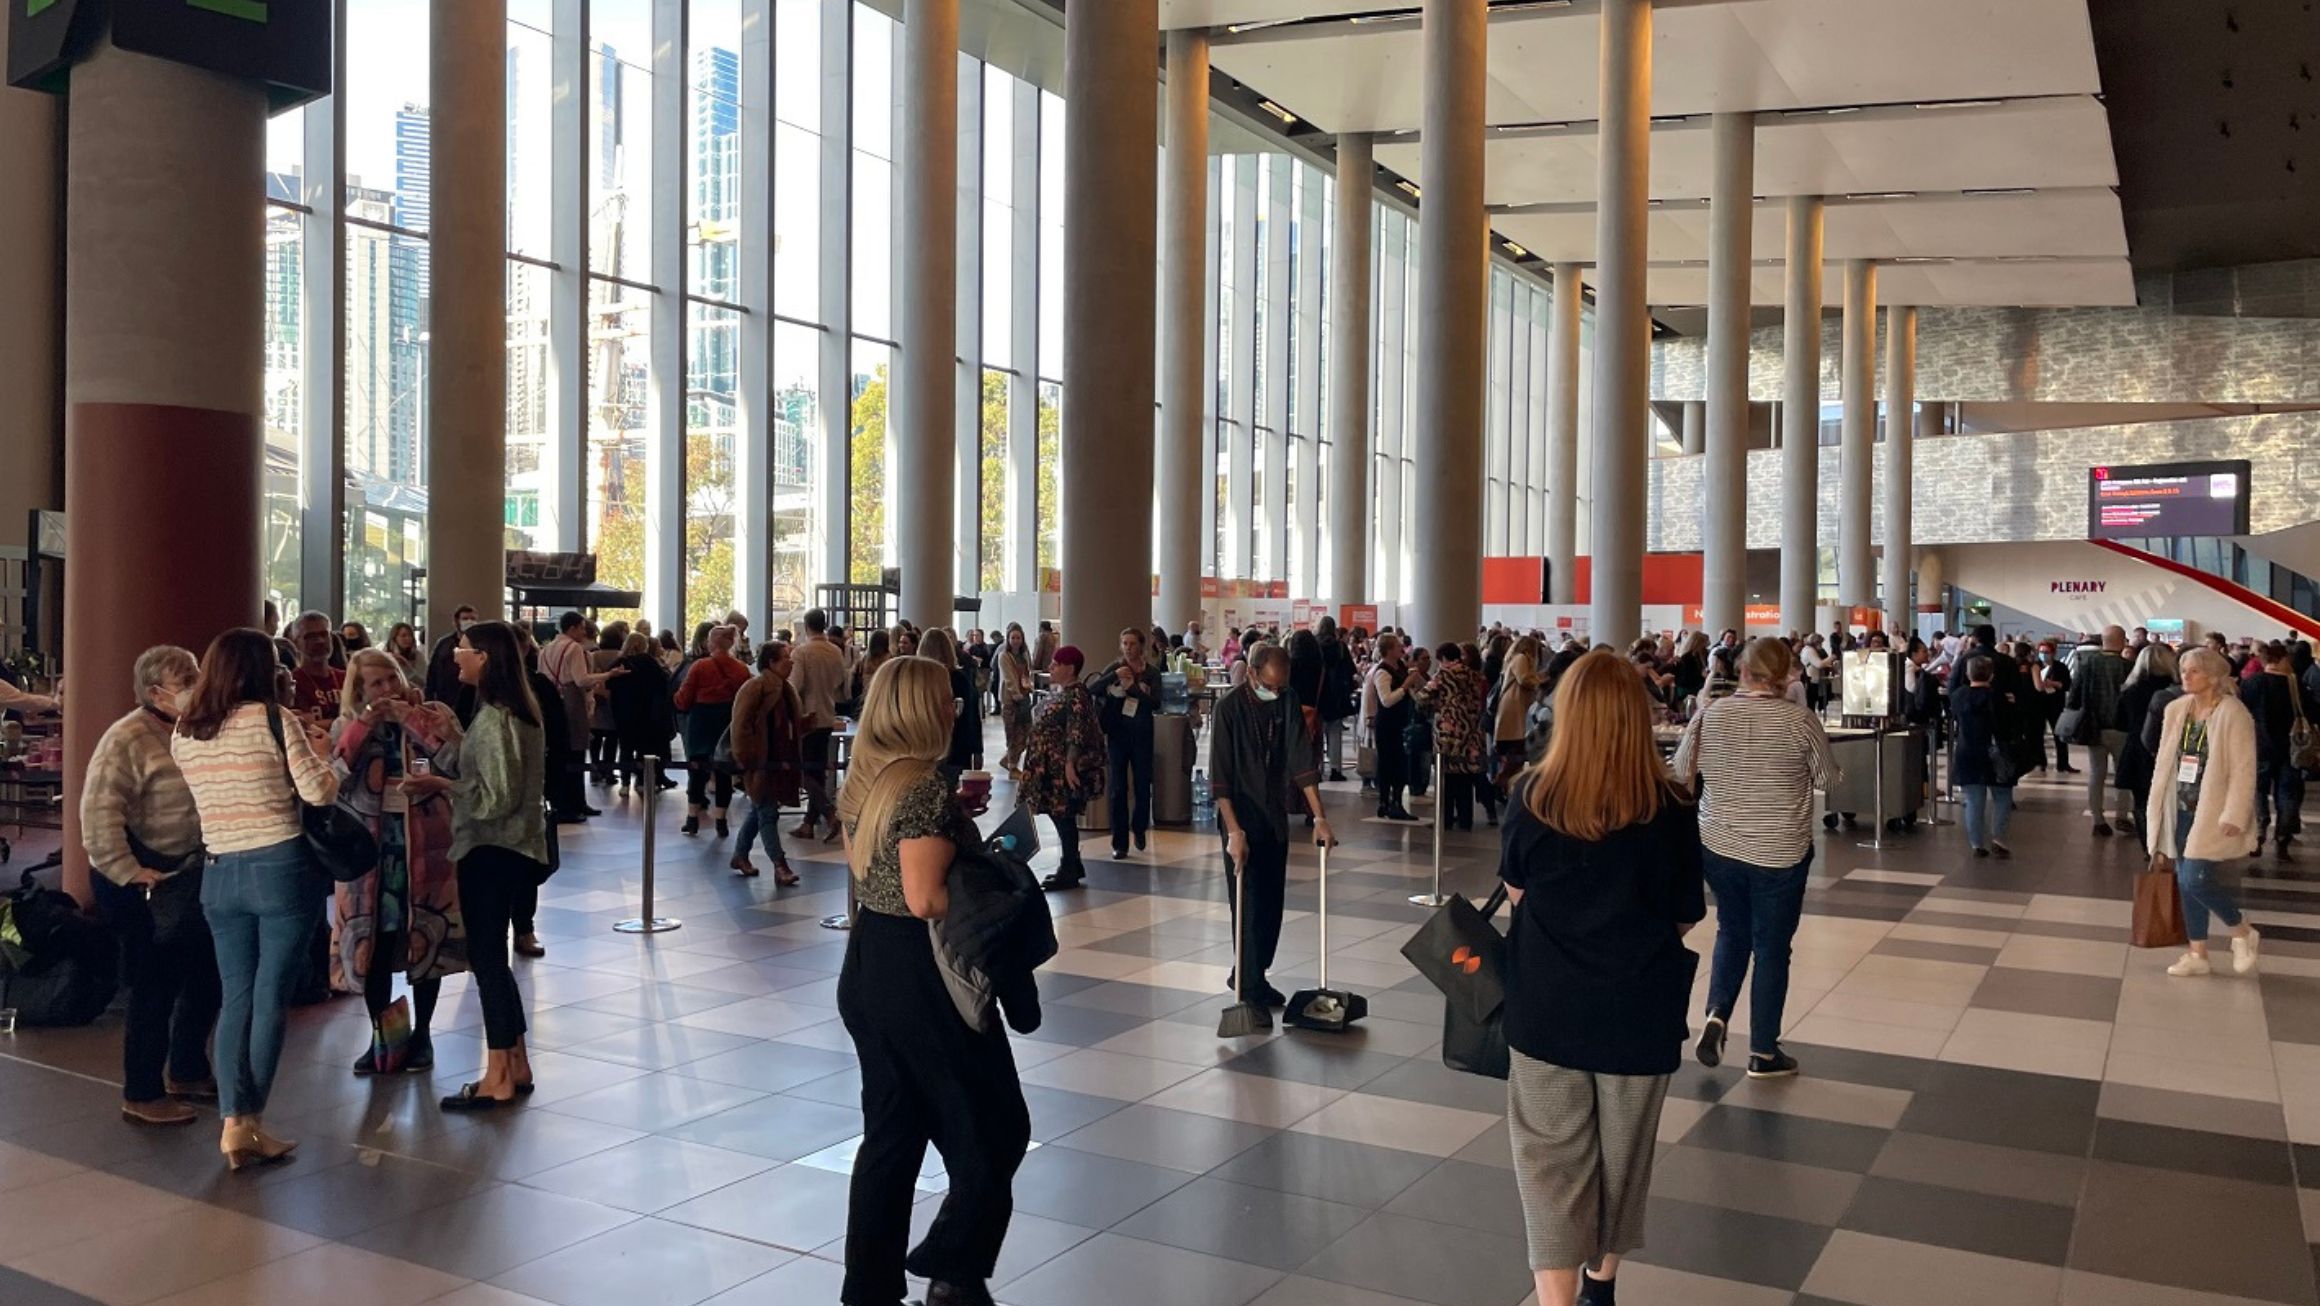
339 840
175 903
1461 953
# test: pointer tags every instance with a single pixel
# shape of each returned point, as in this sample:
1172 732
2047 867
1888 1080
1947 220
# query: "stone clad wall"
2019 486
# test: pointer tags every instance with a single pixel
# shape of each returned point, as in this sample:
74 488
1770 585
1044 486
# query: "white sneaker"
2243 951
2192 964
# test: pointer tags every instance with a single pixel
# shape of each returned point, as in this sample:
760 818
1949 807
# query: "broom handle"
1324 906
1240 879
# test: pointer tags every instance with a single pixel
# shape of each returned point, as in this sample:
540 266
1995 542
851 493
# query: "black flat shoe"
1711 1046
470 1097
1059 882
1119 854
367 1064
692 825
422 1057
723 830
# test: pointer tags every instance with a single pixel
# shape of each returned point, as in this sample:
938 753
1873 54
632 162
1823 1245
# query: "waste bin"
1172 749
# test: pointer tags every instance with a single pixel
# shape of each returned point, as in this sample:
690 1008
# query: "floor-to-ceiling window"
287 214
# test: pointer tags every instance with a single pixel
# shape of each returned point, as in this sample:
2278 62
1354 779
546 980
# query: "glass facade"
700 322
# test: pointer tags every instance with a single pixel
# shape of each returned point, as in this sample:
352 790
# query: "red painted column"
164 318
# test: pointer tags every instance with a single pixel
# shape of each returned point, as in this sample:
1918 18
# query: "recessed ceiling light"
1959 104
1517 250
1883 195
1277 111
2001 190
1410 186
1236 29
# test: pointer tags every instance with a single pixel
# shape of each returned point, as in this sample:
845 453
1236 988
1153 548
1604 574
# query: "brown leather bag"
2158 907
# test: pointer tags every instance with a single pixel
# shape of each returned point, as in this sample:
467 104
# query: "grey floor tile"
1728 1244
1353 1173
512 1144
1032 1240
2049 993
1926 951
656 1101
1466 1194
342 1200
2003 1121
1083 1026
1056 1112
20 1289
1242 1223
1093 1191
796 1207
2194 1151
650 1174
1778 1136
1122 1271
1806 1194
1177 1140
2202 1111
1428 1080
1982 1168
492 1231
1854 1066
1297 1290
2292 1007
780 1127
1309 1061
806 1279
2192 1231
842 1087
1492 1148
2009 1227
1428 1262
648 1260
1145 1000
768 1067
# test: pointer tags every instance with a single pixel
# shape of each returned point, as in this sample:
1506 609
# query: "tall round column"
1452 341
467 313
1184 380
1564 310
1900 453
1931 581
1856 565
1800 410
926 374
1622 325
1350 509
31 320
164 319
1110 297
1724 477
1693 435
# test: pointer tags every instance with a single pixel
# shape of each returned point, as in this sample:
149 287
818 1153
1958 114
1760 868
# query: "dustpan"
1327 1010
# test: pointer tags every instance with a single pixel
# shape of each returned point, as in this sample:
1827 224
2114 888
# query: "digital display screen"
2167 499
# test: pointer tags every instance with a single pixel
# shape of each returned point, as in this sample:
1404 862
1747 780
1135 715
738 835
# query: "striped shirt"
1760 758
240 785
134 785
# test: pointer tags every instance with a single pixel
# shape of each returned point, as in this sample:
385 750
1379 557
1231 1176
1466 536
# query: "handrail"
2233 590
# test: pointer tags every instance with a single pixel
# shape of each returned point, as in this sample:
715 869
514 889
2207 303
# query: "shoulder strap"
274 724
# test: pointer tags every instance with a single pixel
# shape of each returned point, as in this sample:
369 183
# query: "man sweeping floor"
1261 758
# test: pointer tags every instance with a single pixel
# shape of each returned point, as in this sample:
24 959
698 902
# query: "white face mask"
180 702
466 624
1264 695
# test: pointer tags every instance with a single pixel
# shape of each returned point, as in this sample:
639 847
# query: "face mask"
1265 695
466 624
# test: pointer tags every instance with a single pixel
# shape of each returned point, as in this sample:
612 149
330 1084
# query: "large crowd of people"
456 762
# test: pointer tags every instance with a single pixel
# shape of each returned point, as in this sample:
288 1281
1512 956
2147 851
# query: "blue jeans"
263 907
1983 803
1757 909
2280 789
2201 893
766 822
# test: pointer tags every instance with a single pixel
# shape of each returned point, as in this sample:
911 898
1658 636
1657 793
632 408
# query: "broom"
1243 1018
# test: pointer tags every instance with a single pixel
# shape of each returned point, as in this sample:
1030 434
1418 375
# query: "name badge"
2187 771
1131 706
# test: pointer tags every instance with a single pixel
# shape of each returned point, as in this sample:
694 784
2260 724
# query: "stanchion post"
1936 796
1441 801
1876 839
645 922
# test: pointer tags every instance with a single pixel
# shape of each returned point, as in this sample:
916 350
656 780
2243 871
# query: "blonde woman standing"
927 1077
2202 808
1013 665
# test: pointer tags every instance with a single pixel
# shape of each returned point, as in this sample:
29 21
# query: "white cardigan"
2227 794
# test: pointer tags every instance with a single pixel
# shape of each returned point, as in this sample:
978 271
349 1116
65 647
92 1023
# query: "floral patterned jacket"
1066 729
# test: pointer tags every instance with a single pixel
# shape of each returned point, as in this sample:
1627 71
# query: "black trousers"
926 1078
1267 886
1129 753
491 881
387 952
174 994
1393 764
565 792
698 778
1067 838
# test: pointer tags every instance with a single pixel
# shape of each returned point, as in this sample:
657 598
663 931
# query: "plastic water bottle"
1203 802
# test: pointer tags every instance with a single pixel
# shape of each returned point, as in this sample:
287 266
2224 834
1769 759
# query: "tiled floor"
2002 1104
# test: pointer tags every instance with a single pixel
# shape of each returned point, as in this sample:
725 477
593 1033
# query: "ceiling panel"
1742 55
2079 223
1220 13
2100 283
2058 141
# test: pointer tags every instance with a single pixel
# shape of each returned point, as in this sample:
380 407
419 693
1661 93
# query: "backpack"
57 965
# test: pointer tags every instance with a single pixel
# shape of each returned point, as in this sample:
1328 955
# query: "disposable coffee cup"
975 786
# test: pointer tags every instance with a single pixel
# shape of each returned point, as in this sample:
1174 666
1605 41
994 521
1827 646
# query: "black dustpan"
1328 1010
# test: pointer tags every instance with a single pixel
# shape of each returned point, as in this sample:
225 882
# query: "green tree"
866 459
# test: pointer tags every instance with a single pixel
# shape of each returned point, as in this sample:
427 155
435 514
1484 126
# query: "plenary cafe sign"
282 45
2077 591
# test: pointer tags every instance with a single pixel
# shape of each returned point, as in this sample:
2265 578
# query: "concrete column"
1563 309
467 316
1931 580
1856 566
1184 317
1900 451
666 431
1110 298
1446 592
1694 431
31 309
1800 410
1349 369
1724 477
1622 326
164 319
926 400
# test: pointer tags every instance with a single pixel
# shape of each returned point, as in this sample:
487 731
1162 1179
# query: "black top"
1599 979
1338 697
967 728
2272 701
1260 758
1112 708
1977 709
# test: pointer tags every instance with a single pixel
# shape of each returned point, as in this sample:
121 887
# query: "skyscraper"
407 298
713 357
608 120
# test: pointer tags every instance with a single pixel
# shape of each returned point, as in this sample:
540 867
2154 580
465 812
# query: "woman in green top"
926 1075
499 839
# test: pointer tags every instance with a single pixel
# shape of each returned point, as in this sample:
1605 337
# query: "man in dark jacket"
1260 759
1127 696
2277 703
443 670
1338 699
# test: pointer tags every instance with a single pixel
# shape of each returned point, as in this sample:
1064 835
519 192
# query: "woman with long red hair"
1601 858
